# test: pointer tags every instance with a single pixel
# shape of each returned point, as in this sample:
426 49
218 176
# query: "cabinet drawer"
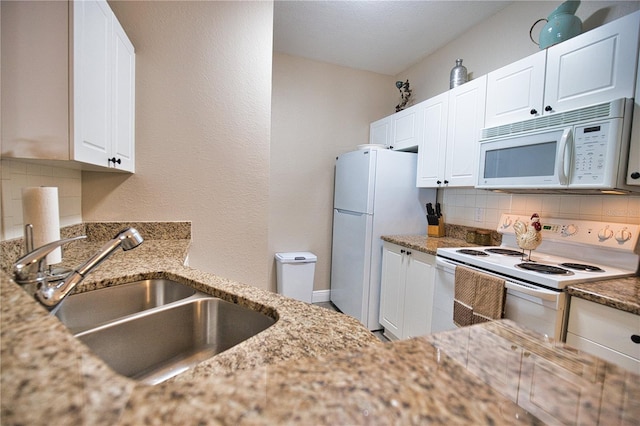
605 326
603 352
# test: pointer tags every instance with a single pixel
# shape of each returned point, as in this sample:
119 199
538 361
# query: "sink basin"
156 345
80 312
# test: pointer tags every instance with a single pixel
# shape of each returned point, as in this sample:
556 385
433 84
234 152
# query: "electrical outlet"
479 216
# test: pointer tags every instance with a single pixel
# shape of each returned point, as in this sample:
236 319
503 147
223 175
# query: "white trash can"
294 274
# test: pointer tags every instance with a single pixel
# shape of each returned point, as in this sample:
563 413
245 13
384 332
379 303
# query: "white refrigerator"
375 195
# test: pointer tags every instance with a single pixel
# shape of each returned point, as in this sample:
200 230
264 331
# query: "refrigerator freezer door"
355 177
350 263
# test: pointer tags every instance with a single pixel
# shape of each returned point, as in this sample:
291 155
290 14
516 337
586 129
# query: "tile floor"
329 305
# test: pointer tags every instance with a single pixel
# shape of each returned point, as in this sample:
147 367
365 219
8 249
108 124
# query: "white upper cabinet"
595 67
401 131
406 129
448 152
465 122
380 132
85 112
515 92
633 169
432 149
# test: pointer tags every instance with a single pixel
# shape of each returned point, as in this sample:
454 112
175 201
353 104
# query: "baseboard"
321 296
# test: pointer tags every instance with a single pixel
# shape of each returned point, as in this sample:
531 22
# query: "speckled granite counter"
425 244
619 293
313 366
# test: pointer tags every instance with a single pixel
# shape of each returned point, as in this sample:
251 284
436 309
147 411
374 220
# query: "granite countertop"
619 293
313 366
426 244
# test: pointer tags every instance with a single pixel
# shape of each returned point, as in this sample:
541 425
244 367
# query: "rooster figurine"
528 237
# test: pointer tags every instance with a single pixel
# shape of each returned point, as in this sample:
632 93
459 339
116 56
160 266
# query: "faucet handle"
30 268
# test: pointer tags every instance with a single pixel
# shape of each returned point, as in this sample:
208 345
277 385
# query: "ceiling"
385 37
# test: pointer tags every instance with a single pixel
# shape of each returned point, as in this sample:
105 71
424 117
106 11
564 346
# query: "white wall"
318 112
203 118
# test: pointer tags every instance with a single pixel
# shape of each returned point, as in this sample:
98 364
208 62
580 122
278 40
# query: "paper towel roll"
40 209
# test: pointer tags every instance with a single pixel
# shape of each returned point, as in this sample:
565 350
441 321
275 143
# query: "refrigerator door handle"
350 212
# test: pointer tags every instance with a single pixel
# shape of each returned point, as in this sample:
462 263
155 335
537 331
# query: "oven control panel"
621 236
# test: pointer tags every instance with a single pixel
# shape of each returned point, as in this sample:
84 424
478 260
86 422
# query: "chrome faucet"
29 270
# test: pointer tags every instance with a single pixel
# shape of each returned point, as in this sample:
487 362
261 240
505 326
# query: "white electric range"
571 252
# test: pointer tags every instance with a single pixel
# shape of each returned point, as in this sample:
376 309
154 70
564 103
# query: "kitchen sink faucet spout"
29 270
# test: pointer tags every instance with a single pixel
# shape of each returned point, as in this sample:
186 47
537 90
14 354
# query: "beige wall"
318 112
203 119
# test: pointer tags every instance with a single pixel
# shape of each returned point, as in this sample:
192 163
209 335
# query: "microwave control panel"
592 153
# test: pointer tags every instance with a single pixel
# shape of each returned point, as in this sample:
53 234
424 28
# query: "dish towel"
478 297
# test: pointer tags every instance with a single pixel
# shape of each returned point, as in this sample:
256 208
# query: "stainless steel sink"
80 312
156 345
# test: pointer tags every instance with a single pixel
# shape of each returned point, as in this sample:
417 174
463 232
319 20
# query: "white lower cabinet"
605 332
406 295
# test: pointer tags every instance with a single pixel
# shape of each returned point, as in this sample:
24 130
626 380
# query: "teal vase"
562 24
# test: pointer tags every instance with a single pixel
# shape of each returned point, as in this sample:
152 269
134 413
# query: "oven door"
540 160
537 308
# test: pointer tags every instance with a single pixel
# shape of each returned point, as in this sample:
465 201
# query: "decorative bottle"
458 75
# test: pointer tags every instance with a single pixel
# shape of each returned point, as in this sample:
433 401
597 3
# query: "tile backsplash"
482 209
17 175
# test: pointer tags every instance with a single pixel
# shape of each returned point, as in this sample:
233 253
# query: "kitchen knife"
430 209
438 211
432 219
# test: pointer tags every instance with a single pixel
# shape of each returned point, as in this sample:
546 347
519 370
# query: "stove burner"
471 252
543 269
582 267
504 252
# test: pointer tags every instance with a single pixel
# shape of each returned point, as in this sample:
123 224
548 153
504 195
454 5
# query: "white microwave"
585 149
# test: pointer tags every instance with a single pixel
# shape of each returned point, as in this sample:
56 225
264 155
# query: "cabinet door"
609 53
392 289
406 128
92 82
465 122
418 298
123 100
515 92
633 169
605 332
380 132
431 151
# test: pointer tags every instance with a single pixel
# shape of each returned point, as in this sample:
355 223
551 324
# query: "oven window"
521 161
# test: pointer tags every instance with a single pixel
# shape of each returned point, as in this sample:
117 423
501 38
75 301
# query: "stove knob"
623 235
506 222
605 233
569 230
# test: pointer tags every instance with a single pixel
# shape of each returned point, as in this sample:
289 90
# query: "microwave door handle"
564 162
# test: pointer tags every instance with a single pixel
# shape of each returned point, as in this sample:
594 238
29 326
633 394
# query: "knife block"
436 230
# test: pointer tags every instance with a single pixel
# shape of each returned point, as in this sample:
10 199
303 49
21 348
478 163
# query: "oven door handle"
445 265
540 293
